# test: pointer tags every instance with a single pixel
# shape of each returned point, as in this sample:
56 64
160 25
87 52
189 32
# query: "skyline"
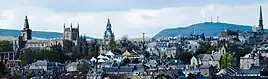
128 17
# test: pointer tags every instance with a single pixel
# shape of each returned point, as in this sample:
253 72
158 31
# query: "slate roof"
252 70
207 57
204 56
216 57
126 69
110 69
204 66
175 62
162 44
152 45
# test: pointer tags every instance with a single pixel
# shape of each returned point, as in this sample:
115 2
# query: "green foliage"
226 61
124 76
125 43
54 54
164 55
82 68
240 50
27 57
29 75
184 56
206 47
205 74
2 69
93 48
125 62
5 46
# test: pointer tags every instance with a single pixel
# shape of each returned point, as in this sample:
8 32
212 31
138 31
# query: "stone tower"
108 38
26 32
260 26
71 34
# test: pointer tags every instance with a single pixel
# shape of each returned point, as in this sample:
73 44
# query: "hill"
39 34
208 28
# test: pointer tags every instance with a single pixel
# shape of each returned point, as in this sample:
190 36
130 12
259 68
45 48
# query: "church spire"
77 25
64 25
108 21
260 20
109 26
26 32
26 24
260 13
71 25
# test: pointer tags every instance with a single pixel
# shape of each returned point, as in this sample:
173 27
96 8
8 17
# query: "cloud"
132 21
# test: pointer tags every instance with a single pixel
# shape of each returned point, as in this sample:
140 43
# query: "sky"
128 17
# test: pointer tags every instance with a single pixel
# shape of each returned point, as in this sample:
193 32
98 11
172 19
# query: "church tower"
71 34
260 26
26 32
108 38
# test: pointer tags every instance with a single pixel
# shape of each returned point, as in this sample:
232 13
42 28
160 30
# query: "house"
213 59
13 63
152 63
216 59
194 63
207 70
47 66
252 71
251 59
171 52
93 59
72 67
229 34
152 49
126 53
95 74
229 71
206 59
192 45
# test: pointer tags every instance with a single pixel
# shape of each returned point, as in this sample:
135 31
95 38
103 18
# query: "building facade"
108 39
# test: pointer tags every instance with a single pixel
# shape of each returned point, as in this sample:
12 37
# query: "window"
190 47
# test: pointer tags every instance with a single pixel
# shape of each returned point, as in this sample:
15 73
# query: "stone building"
71 41
26 32
108 39
251 59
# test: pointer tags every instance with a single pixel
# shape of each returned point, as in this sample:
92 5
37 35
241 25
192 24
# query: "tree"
2 69
6 46
184 56
93 48
27 57
29 75
53 54
125 62
82 68
226 61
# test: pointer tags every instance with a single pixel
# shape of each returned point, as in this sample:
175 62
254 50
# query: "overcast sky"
128 17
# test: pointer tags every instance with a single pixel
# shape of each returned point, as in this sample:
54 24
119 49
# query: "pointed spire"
26 24
85 37
64 25
71 25
260 28
108 21
260 13
26 19
109 26
78 25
